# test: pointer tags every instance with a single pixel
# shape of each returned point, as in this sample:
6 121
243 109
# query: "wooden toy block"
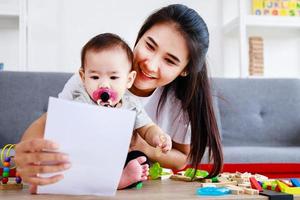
225 174
260 177
246 175
206 181
235 189
255 184
237 175
223 179
11 186
239 180
223 184
256 57
241 190
178 177
245 185
251 191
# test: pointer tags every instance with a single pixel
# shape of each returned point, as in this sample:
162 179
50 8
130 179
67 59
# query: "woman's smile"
148 75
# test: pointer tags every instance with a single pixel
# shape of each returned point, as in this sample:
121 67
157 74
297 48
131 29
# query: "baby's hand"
164 142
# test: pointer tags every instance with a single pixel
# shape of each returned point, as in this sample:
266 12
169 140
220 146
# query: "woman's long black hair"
193 90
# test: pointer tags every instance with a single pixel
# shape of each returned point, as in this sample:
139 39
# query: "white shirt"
172 120
129 102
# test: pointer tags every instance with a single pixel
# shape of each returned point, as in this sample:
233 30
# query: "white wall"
9 34
57 29
9 42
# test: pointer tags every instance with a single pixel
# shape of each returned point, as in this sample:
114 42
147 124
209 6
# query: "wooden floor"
165 189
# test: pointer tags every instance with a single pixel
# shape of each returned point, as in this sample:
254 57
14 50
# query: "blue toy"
212 191
295 182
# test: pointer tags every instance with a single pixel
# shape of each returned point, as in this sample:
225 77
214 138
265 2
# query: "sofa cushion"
254 154
215 99
24 97
259 112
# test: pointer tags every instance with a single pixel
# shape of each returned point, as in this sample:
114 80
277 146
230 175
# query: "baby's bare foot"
134 172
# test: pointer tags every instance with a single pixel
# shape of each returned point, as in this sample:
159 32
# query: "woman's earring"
184 73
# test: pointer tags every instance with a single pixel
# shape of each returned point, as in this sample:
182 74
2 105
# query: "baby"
106 73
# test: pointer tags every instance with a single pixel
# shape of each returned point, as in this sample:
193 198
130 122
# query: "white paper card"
96 140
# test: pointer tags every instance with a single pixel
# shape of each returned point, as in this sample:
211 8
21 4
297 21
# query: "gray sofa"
259 118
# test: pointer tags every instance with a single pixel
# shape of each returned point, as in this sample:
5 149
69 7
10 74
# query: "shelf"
264 22
9 20
273 21
8 14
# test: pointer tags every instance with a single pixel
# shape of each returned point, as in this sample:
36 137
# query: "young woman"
173 85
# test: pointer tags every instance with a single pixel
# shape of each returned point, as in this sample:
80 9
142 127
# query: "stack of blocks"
256 57
5 177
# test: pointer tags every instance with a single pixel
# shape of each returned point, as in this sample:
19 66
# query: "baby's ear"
131 78
81 73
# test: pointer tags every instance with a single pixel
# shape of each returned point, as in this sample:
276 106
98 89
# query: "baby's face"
110 69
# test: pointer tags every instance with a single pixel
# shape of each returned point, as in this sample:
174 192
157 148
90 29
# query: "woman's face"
160 56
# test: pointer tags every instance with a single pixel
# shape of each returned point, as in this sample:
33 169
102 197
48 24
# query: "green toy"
156 171
214 179
139 185
189 172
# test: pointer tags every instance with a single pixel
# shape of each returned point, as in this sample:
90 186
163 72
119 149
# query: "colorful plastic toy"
270 185
6 162
286 189
295 182
212 191
139 185
255 184
156 171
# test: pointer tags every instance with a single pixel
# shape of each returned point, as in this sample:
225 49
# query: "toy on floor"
157 172
188 175
6 184
212 191
287 189
139 186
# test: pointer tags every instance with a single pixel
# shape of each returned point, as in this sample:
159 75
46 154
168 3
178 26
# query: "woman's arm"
177 158
36 129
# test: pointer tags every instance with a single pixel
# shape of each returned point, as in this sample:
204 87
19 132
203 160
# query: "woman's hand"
39 156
